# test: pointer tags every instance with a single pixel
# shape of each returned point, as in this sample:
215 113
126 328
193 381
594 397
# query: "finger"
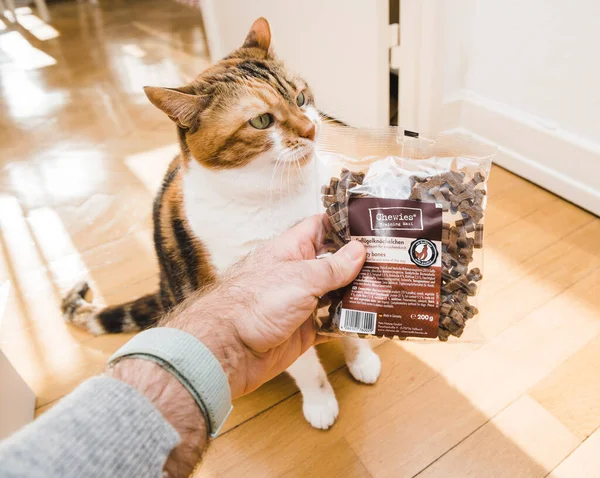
336 270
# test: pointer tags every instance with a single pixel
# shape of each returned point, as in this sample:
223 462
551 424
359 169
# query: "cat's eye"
262 122
300 99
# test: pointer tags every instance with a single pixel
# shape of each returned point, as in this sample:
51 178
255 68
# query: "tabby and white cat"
247 129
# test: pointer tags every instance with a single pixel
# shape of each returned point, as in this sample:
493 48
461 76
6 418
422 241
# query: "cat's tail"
131 316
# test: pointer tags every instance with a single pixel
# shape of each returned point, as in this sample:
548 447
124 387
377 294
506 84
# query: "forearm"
138 425
103 428
203 319
175 404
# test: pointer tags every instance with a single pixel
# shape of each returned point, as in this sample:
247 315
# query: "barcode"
358 321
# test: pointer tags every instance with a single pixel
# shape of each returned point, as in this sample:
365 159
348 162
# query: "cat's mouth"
299 156
306 158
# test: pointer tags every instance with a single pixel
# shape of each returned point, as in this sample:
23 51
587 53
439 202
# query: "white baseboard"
560 161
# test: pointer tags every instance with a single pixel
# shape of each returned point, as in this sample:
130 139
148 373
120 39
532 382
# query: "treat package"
417 203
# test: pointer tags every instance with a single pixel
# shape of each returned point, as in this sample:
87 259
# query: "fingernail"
354 251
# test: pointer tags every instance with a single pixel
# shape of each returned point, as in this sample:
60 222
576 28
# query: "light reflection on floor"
24 96
133 50
149 166
35 25
57 249
23 55
4 291
81 152
33 327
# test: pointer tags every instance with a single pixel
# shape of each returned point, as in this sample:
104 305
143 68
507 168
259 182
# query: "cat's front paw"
320 407
366 367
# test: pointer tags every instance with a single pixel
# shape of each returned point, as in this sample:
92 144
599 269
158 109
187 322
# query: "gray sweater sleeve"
104 428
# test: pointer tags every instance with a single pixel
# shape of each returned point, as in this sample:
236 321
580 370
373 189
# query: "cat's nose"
308 131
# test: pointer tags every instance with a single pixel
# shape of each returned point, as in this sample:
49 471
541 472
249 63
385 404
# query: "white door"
341 47
522 76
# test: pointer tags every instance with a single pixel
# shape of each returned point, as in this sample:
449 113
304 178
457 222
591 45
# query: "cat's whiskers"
287 159
292 160
284 167
289 168
278 162
296 160
300 173
297 154
282 160
282 163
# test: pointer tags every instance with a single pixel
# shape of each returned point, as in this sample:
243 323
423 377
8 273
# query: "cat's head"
246 111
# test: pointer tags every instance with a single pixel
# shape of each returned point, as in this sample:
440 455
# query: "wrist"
176 405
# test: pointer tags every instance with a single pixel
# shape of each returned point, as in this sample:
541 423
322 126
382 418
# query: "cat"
245 173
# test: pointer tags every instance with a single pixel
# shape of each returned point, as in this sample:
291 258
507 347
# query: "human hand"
258 319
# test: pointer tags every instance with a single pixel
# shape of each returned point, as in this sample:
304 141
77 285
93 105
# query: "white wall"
525 75
542 57
339 46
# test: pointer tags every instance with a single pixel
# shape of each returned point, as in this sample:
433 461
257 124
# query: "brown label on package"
397 292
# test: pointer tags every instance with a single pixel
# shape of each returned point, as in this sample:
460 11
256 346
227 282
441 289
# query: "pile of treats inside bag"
456 187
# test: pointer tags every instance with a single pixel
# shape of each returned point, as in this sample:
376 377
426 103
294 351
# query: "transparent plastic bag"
417 203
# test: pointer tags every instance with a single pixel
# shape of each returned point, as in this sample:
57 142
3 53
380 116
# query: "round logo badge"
423 253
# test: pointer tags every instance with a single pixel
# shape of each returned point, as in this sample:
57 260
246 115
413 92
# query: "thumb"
337 270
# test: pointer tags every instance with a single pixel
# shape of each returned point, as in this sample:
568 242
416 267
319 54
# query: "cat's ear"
181 106
259 35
